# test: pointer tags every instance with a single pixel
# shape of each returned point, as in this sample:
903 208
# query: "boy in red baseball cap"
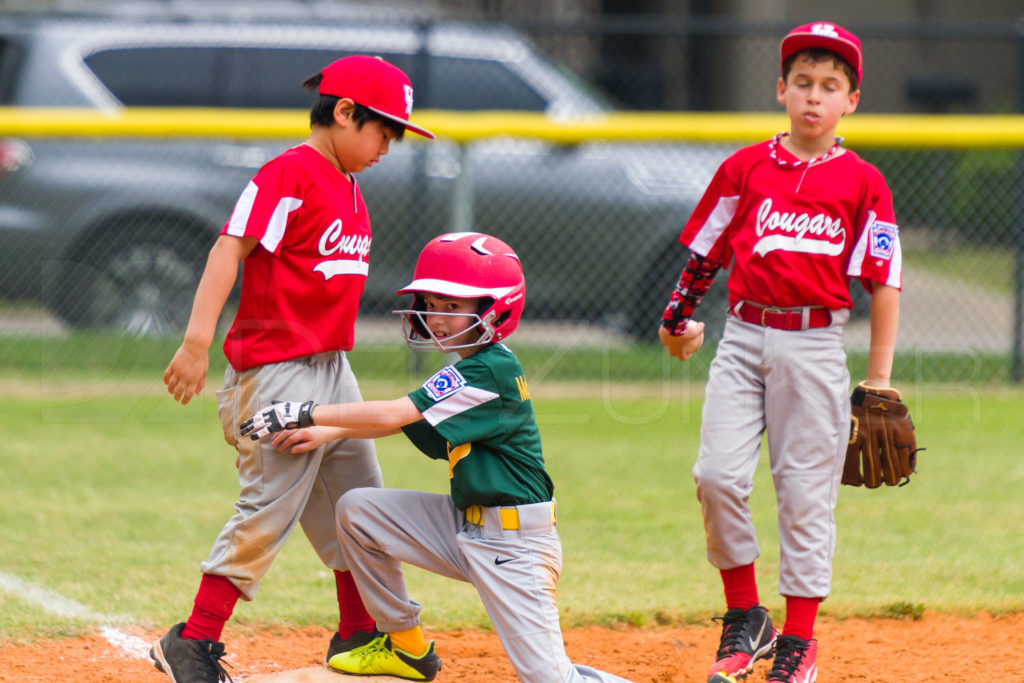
373 83
795 218
302 231
829 37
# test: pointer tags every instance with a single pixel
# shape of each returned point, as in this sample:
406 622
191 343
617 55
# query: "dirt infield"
934 648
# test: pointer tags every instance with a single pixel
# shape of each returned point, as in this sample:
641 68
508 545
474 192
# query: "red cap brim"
408 125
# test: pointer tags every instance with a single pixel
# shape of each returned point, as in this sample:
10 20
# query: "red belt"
804 318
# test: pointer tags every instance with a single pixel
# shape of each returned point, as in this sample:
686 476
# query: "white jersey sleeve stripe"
278 222
275 226
459 402
243 209
717 221
860 249
896 266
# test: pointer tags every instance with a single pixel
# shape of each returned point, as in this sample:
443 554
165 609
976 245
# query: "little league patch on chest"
444 382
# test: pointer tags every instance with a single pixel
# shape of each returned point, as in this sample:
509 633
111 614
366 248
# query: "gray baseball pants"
792 386
279 489
513 571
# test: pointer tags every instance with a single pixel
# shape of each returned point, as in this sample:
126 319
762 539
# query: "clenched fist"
686 344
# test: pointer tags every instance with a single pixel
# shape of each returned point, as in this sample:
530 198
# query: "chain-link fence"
111 233
721 64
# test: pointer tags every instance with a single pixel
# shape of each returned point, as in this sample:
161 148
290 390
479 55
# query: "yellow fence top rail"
869 130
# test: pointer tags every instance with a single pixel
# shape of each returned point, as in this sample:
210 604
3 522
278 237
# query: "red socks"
741 593
352 614
214 604
216 598
800 616
740 587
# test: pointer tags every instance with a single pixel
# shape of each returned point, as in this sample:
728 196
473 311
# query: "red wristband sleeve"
694 283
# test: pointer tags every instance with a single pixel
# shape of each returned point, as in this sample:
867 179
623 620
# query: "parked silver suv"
115 232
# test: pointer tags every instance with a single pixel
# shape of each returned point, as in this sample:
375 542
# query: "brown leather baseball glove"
883 448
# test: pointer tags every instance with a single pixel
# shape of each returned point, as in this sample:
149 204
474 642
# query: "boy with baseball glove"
796 217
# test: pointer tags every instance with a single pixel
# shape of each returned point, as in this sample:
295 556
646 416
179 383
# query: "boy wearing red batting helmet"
796 217
303 234
496 529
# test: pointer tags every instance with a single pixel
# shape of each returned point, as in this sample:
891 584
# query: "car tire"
133 281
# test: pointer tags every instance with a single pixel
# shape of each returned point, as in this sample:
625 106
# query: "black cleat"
188 661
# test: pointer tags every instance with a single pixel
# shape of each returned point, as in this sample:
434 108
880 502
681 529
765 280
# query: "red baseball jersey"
795 232
301 285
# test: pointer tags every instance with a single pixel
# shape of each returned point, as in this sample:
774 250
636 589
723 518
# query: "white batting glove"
278 417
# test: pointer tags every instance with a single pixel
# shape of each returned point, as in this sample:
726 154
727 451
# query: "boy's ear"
851 105
343 109
780 91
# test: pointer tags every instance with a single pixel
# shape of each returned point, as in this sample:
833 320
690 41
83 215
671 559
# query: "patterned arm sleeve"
694 283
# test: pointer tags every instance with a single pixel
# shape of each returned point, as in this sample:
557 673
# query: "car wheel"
143 284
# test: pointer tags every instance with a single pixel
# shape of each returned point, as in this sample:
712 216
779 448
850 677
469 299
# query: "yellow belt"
509 516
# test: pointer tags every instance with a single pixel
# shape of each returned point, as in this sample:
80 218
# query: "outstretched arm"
372 418
307 438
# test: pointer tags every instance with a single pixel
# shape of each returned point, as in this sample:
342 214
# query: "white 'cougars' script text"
800 232
335 241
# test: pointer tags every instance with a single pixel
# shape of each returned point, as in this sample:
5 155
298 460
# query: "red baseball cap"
375 84
828 36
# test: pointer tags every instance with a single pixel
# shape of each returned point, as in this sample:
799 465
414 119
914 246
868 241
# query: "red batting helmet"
465 265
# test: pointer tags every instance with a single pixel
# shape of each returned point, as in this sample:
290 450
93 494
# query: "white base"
321 674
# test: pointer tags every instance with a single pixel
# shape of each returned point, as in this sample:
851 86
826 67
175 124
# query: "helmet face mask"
418 334
465 265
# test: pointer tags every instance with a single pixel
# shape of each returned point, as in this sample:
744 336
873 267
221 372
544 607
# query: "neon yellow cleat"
378 658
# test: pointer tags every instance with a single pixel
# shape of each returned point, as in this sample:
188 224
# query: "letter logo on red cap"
828 30
408 99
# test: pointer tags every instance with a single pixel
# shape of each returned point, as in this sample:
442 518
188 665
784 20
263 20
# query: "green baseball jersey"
477 415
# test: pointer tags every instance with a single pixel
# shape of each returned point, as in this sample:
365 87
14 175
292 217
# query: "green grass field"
95 357
111 494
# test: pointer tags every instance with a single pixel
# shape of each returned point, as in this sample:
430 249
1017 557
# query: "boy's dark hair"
322 111
820 54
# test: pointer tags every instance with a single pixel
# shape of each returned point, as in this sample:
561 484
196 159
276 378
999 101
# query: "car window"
471 84
11 54
272 78
161 76
261 78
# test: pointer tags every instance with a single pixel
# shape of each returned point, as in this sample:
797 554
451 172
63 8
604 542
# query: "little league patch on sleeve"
444 382
883 239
